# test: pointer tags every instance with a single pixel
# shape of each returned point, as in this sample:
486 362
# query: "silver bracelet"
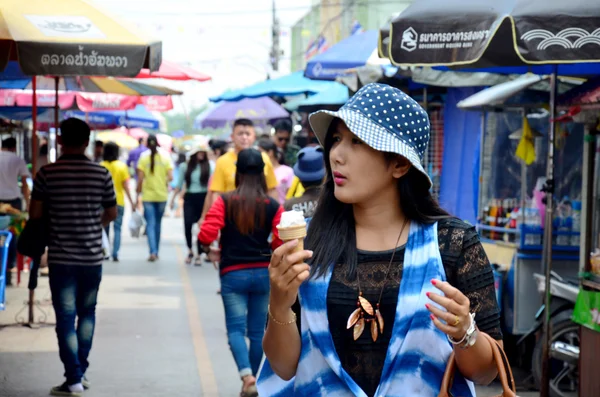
466 339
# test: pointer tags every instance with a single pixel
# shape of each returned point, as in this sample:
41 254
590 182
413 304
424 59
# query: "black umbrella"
484 33
504 33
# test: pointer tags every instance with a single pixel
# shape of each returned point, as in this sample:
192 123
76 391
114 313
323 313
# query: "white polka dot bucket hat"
385 118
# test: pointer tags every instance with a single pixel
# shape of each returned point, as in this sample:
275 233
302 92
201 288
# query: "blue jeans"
245 296
153 213
74 293
117 226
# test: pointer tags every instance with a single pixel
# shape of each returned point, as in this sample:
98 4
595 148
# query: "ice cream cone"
296 232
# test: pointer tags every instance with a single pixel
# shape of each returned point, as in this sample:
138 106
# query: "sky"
226 39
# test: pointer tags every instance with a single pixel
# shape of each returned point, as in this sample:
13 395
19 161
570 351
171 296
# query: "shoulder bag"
504 371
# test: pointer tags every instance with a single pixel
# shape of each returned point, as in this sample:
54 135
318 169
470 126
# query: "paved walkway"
160 331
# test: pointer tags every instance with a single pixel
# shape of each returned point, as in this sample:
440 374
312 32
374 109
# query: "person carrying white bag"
135 224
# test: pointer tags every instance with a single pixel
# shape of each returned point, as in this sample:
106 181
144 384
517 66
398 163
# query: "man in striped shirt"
77 198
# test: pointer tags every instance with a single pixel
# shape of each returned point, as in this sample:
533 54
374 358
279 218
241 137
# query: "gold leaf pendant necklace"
365 313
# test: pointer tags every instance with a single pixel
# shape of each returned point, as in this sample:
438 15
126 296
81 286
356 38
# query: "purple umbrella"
260 110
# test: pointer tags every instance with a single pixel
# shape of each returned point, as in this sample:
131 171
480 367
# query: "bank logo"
409 40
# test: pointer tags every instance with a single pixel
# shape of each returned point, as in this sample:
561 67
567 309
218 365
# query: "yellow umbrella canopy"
124 141
72 37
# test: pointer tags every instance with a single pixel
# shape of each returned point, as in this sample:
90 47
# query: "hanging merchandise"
526 148
576 225
587 309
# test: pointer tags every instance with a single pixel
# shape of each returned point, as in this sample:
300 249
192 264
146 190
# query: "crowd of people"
389 285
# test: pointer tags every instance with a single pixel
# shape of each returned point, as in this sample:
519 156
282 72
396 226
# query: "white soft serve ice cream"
292 218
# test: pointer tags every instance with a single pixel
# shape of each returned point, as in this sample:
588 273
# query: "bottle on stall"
575 239
492 218
556 222
484 220
515 220
532 223
528 225
500 219
506 221
564 222
537 224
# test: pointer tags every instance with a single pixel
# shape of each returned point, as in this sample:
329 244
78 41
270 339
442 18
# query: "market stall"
586 110
513 208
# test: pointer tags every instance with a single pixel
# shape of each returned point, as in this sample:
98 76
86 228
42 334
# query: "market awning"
139 117
19 113
499 93
587 93
86 102
13 78
173 71
349 53
72 37
288 85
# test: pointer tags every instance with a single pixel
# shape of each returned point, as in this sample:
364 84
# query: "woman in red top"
246 218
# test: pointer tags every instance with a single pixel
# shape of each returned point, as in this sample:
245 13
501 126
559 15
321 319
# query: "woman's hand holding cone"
287 271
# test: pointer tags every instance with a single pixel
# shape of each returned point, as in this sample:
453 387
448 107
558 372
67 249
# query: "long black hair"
204 169
152 143
331 233
247 204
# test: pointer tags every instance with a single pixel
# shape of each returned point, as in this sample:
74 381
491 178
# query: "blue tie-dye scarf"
417 353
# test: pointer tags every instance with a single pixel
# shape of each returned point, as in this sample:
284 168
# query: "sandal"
188 260
251 391
249 388
198 261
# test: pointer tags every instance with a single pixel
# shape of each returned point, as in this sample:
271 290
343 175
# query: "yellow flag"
296 190
526 148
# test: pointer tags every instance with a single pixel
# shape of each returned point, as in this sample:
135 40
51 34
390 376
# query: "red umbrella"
172 71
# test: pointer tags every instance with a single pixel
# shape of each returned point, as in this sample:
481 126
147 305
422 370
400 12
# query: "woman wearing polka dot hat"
395 284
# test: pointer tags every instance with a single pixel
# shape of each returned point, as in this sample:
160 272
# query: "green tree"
183 121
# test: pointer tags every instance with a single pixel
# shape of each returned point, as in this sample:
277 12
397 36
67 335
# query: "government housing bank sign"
413 40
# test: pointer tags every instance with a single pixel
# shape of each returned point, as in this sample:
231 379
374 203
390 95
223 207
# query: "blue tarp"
458 188
349 53
20 112
288 85
135 118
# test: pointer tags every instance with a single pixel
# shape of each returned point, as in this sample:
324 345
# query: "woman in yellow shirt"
155 171
120 176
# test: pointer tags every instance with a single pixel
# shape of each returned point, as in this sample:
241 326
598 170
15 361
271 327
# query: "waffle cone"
290 233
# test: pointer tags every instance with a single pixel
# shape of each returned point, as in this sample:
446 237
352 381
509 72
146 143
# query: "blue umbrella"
288 85
347 54
337 94
136 118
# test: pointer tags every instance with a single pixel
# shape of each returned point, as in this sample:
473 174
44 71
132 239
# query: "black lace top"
467 268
